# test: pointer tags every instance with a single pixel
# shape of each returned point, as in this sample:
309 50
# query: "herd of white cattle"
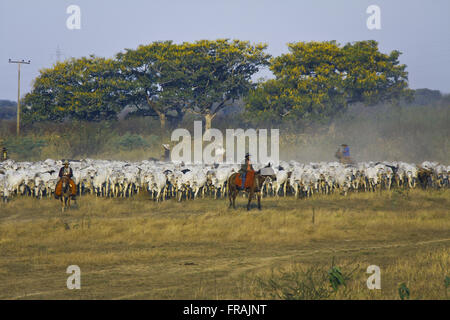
164 180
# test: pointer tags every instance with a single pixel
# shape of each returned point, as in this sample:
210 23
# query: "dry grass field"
138 249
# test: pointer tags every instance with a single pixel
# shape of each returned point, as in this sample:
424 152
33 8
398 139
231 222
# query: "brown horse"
343 159
254 187
66 193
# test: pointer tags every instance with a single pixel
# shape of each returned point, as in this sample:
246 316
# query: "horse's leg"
250 196
259 200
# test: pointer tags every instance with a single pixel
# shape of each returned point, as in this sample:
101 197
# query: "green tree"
217 71
84 89
153 79
317 79
372 77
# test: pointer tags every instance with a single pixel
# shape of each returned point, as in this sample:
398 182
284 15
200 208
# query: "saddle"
58 189
249 180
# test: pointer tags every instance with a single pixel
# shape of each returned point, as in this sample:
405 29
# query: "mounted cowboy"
245 168
343 154
66 172
248 180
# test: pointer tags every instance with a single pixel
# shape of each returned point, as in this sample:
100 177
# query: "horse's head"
65 183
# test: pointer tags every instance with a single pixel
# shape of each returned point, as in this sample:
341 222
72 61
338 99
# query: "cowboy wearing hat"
66 171
245 167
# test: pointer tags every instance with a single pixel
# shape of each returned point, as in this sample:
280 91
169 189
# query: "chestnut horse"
66 193
254 188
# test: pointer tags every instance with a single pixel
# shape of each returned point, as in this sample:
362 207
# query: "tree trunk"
208 120
162 116
162 119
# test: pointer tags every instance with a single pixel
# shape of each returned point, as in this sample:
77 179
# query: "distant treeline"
8 109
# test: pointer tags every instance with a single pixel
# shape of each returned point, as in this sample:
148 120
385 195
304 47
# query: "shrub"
27 148
311 283
130 141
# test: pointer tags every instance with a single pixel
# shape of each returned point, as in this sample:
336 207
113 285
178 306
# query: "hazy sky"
34 29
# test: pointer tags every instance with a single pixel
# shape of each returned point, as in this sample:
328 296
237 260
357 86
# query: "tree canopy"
153 79
317 79
85 89
218 71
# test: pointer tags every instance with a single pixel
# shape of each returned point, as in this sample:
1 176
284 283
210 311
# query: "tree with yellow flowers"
84 89
320 79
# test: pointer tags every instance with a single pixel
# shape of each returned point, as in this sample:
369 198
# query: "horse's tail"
230 181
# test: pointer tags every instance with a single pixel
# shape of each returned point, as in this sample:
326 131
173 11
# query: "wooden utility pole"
19 62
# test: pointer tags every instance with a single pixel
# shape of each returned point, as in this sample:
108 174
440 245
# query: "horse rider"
66 171
343 154
345 151
245 167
